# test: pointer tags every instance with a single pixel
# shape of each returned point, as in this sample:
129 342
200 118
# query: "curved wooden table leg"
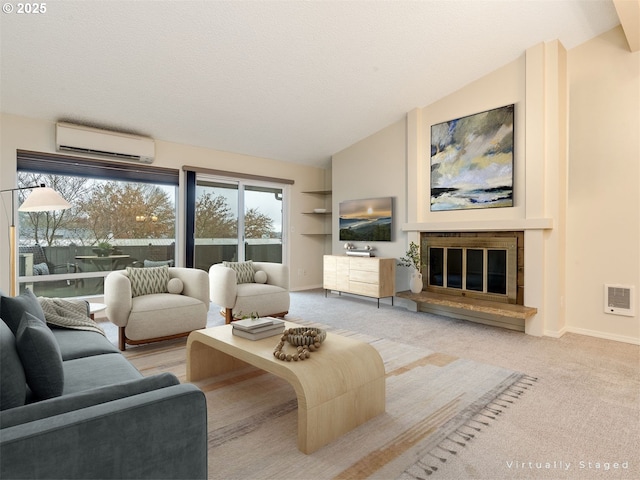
340 387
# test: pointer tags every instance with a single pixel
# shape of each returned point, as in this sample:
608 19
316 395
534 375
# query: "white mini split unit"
619 300
93 141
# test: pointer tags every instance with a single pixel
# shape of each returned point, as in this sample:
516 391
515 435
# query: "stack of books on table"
258 328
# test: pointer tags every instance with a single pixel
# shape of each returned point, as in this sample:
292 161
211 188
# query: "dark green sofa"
103 419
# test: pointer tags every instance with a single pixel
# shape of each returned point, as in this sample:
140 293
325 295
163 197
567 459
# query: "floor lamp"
42 199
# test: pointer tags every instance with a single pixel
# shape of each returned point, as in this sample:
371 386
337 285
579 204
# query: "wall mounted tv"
367 220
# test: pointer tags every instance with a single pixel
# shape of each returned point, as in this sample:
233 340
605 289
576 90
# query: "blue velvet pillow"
13 386
12 309
41 357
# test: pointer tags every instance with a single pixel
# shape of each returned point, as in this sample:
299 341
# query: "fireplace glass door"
474 267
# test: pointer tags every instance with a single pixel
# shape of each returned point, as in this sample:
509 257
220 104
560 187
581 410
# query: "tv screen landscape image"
367 220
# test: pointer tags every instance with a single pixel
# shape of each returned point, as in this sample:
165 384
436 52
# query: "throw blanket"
68 314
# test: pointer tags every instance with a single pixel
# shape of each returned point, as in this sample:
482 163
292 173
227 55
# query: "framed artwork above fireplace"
472 161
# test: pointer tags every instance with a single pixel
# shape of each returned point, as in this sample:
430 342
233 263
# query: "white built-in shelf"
324 215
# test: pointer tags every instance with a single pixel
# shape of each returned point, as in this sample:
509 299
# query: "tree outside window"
134 220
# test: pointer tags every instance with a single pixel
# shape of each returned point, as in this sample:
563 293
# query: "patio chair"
42 265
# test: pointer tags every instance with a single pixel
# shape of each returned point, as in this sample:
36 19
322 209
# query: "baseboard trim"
555 333
591 333
604 335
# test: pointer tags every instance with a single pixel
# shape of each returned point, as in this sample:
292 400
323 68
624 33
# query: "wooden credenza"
368 276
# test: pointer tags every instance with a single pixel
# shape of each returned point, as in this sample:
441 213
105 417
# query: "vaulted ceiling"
290 80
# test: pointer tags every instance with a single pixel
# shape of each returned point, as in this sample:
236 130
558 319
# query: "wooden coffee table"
340 387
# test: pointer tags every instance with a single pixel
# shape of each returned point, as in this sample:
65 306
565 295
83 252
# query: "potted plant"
412 259
103 250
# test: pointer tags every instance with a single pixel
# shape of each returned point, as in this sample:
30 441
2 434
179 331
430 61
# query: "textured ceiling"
291 80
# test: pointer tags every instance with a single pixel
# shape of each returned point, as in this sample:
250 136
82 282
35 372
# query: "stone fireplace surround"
537 234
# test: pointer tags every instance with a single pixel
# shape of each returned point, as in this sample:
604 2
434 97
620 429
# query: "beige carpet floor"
435 403
581 420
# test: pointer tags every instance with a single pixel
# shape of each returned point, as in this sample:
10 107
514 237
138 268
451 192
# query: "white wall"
375 167
19 133
603 221
533 83
502 87
577 173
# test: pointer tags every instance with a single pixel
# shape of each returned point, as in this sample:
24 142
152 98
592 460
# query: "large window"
237 221
122 215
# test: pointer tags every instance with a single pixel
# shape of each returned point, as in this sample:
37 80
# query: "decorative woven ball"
296 336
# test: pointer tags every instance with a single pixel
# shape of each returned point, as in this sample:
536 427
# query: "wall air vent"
103 143
619 300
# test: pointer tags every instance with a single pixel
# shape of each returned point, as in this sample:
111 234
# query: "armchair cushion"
163 314
41 357
145 281
264 299
244 271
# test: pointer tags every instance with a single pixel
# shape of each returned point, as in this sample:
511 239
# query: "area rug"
436 404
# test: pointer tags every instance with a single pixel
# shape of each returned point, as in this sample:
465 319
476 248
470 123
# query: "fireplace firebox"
475 265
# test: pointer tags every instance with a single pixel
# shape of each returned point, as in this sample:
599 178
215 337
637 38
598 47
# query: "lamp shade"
44 199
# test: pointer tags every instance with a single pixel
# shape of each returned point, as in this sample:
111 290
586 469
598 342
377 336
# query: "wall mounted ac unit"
93 141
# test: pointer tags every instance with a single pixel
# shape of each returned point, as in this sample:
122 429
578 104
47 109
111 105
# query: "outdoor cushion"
40 356
41 269
157 263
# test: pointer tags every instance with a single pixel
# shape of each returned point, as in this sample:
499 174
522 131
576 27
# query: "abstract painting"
472 161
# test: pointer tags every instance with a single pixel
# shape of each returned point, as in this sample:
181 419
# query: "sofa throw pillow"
175 286
12 309
260 276
244 270
13 383
41 357
145 281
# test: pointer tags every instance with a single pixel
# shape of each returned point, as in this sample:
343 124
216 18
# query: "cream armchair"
157 316
236 299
